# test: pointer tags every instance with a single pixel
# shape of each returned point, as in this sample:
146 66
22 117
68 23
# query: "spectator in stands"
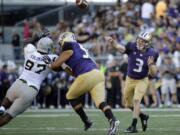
82 35
62 26
150 99
147 12
161 9
16 45
26 30
5 84
168 73
115 94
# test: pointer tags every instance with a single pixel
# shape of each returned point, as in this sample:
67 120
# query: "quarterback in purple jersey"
141 63
88 79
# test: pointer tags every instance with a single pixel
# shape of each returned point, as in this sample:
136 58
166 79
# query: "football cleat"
114 124
88 125
131 129
144 122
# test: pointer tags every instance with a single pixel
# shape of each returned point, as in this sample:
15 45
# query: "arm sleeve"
29 49
67 46
128 48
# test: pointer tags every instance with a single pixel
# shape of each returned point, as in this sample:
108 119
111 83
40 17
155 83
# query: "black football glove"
45 33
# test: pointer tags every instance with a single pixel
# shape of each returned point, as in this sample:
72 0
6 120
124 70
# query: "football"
82 4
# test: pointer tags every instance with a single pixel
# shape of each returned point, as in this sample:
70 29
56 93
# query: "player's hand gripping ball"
82 4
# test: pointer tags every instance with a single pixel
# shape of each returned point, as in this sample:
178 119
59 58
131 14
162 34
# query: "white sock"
2 108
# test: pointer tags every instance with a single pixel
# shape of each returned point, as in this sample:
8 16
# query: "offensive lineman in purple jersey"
141 62
88 79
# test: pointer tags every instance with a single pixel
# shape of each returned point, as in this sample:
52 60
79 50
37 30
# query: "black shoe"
88 125
131 129
114 124
144 122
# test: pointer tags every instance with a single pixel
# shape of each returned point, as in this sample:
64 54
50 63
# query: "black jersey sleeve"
67 46
128 47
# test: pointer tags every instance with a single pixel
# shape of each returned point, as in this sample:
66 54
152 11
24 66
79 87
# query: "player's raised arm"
115 45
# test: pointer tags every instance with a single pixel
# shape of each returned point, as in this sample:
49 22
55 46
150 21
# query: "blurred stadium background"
122 19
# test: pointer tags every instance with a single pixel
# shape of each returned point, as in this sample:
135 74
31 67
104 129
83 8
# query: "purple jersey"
79 62
137 61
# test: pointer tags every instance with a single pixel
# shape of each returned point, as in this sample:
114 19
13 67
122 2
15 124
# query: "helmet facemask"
45 45
142 44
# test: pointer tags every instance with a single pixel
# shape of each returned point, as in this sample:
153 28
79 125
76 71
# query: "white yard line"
166 116
63 114
51 115
47 129
115 110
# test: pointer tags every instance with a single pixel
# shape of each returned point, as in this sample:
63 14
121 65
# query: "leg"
98 96
5 119
18 106
172 85
146 100
9 98
164 91
154 98
128 96
78 108
21 102
163 97
140 91
6 103
78 88
153 93
174 98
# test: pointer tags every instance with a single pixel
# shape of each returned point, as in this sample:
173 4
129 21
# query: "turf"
66 122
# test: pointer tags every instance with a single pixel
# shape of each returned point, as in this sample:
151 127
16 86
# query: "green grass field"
66 122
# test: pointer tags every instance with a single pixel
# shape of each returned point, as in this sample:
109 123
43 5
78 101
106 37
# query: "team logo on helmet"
66 37
143 40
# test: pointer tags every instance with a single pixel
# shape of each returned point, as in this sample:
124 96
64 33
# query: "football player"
141 62
21 94
88 79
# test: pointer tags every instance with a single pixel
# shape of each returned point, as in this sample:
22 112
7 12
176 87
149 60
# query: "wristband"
64 66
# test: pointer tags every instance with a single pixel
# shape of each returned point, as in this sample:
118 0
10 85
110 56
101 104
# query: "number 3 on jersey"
40 67
139 64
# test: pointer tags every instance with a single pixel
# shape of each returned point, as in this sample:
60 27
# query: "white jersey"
30 48
35 69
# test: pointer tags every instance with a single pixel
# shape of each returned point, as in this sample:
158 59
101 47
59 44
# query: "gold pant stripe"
77 106
105 108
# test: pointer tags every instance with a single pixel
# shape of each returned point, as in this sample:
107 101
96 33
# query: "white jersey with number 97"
35 69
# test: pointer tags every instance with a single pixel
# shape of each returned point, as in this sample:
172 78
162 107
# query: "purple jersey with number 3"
80 62
137 61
